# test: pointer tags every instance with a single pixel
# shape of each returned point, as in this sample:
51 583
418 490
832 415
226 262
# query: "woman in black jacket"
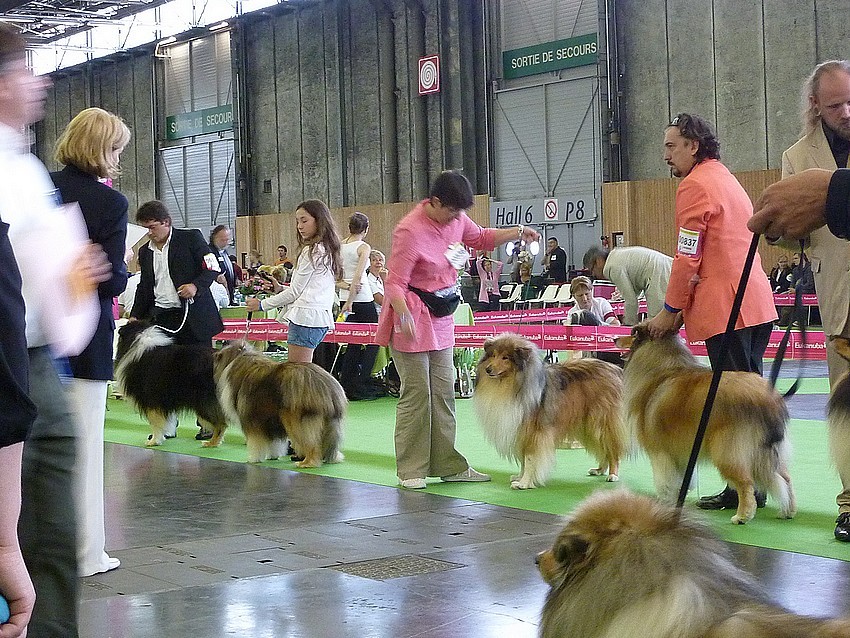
89 148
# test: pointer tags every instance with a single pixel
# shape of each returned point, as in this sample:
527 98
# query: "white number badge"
457 255
688 242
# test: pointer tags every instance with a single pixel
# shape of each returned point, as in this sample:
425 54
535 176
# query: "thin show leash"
724 351
186 303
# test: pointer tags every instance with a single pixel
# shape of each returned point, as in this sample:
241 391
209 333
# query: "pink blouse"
418 258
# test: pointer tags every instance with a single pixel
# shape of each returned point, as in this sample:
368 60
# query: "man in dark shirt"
555 265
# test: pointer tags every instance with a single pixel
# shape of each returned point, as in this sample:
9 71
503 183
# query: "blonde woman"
89 148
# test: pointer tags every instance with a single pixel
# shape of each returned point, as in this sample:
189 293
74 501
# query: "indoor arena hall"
510 235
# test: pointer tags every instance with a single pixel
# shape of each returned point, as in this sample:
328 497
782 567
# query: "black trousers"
355 366
746 349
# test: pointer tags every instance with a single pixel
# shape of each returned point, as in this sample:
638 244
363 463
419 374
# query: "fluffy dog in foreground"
628 566
527 408
665 390
162 378
273 401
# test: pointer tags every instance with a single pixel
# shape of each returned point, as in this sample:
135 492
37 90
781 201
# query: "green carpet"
368 449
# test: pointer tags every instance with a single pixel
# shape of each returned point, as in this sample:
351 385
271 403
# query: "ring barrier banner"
546 337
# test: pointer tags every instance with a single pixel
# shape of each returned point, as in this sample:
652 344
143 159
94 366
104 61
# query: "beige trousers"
838 366
425 423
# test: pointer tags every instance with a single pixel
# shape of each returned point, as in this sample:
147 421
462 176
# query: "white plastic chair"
548 296
513 297
565 297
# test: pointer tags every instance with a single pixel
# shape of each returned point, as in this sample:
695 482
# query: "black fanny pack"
440 303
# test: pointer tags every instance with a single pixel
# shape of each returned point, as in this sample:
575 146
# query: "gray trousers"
47 527
425 423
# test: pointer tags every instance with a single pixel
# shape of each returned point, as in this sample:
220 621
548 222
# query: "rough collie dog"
273 401
527 408
665 390
838 417
162 378
628 566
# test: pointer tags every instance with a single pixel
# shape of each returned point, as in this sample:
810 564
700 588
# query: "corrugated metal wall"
197 178
121 85
332 109
739 64
547 137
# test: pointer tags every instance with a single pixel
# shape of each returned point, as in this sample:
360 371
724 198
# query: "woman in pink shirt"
427 250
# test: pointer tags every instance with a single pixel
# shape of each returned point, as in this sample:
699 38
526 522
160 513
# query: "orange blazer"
712 209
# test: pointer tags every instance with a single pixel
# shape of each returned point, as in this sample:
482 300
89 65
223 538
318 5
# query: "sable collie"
161 378
273 401
665 390
527 408
628 566
838 415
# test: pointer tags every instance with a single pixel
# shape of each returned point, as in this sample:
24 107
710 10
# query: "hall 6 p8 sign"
429 74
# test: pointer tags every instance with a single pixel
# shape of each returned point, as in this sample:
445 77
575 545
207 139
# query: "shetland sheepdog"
746 438
162 378
273 401
838 416
528 409
628 566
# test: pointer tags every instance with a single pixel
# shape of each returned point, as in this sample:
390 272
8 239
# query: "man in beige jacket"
826 144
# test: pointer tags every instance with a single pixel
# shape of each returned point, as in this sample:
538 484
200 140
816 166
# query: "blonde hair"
809 114
377 253
580 282
89 141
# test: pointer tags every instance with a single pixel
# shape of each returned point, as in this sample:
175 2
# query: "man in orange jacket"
712 210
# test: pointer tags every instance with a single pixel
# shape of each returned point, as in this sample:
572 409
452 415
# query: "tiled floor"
211 548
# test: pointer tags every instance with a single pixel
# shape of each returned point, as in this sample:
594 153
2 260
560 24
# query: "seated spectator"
489 272
282 259
530 290
255 260
377 275
780 279
801 275
582 291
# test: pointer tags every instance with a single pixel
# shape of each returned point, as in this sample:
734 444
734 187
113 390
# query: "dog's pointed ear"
571 551
624 343
488 345
841 346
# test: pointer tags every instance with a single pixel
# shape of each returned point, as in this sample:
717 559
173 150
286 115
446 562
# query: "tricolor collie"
273 401
162 378
746 438
528 409
629 566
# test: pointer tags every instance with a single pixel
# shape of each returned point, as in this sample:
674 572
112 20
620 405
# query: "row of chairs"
552 295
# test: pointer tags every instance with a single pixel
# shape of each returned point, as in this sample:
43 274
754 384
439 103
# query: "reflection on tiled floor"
210 548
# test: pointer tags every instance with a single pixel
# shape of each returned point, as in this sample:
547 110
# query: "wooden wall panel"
266 232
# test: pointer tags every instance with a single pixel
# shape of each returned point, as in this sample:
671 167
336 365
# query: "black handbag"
440 303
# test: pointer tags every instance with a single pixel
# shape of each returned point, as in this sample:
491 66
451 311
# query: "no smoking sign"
550 210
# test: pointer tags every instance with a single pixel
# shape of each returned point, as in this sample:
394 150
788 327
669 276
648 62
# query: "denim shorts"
305 336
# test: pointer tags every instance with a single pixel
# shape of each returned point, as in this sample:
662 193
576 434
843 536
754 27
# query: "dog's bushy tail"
771 465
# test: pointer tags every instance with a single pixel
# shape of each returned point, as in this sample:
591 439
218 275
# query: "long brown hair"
326 235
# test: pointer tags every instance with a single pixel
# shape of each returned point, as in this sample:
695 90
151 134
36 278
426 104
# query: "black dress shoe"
727 500
842 527
203 435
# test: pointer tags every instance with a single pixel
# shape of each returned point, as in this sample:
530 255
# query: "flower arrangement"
259 285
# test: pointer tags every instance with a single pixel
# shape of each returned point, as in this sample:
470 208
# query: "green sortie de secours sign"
218 118
550 56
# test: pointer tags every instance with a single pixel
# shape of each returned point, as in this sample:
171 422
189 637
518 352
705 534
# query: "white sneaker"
469 475
413 484
114 563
